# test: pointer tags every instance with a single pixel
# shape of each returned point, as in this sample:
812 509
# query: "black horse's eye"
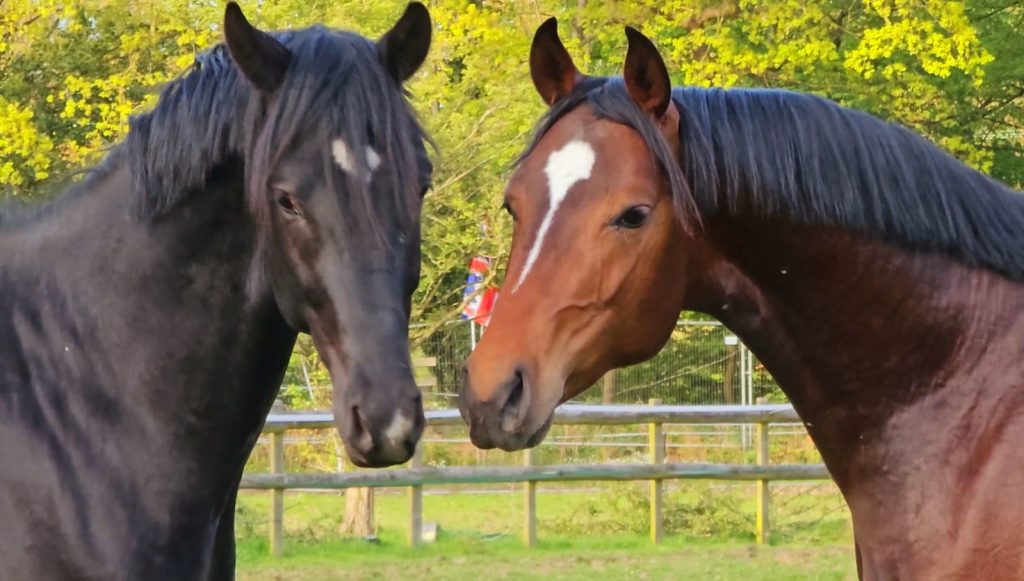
632 218
287 203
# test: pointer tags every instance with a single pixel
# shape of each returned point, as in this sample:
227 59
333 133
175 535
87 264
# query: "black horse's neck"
134 360
905 367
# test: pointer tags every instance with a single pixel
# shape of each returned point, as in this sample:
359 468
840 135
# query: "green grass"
595 533
598 557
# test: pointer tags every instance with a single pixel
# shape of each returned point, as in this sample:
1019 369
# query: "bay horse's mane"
804 159
335 88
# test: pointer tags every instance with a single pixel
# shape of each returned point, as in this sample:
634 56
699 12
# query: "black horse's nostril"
359 436
357 422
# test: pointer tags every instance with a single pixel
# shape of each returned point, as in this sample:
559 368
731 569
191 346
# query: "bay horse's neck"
154 366
906 368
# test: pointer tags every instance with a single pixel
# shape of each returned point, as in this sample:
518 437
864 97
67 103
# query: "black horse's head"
336 167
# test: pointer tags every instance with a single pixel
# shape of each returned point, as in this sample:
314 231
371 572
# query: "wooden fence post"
764 499
529 503
416 501
656 452
277 498
609 386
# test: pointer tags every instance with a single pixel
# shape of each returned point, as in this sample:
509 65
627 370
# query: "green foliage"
24 151
73 71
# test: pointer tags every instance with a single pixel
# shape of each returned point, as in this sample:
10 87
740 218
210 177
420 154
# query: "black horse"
147 317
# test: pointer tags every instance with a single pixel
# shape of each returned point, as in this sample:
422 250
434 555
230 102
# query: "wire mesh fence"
702 364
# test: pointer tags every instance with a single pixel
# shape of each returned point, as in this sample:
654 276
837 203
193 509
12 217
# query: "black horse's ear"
645 74
404 48
551 67
261 58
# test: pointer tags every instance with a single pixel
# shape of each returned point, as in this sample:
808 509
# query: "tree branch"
724 10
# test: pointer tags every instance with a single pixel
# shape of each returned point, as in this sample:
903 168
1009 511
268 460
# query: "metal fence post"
529 503
416 501
656 452
277 495
764 499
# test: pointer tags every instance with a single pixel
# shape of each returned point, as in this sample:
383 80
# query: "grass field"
591 533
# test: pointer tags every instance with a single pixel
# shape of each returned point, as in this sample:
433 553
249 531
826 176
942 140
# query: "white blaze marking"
342 156
567 166
372 159
399 428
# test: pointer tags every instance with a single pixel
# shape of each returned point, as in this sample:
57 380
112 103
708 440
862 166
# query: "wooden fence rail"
657 471
583 414
550 473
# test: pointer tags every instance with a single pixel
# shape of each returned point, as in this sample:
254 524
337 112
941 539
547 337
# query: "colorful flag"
479 308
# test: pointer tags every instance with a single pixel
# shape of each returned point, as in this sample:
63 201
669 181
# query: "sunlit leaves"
73 71
24 151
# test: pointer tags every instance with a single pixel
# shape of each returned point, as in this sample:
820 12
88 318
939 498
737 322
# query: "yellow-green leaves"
934 35
73 71
24 151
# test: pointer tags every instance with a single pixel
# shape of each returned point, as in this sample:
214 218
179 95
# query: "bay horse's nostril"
513 411
515 393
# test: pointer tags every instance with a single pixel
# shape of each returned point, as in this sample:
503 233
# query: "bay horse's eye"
508 209
287 203
632 218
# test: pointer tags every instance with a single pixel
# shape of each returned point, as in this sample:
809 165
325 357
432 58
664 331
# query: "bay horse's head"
595 228
336 168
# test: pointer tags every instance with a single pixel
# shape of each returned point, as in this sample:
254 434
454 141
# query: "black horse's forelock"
335 88
803 159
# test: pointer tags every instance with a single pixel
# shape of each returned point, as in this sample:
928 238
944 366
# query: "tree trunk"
358 513
359 509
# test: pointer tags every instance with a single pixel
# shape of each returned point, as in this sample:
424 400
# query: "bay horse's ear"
551 67
404 48
645 74
261 58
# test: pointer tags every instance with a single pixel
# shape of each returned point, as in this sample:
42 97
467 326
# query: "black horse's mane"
804 159
335 87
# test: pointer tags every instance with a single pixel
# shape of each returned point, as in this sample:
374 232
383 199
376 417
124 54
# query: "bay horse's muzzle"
501 419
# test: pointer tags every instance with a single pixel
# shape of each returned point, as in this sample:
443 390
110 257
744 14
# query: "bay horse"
879 280
149 314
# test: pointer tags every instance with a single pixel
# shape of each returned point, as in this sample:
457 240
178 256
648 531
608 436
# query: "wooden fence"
416 476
